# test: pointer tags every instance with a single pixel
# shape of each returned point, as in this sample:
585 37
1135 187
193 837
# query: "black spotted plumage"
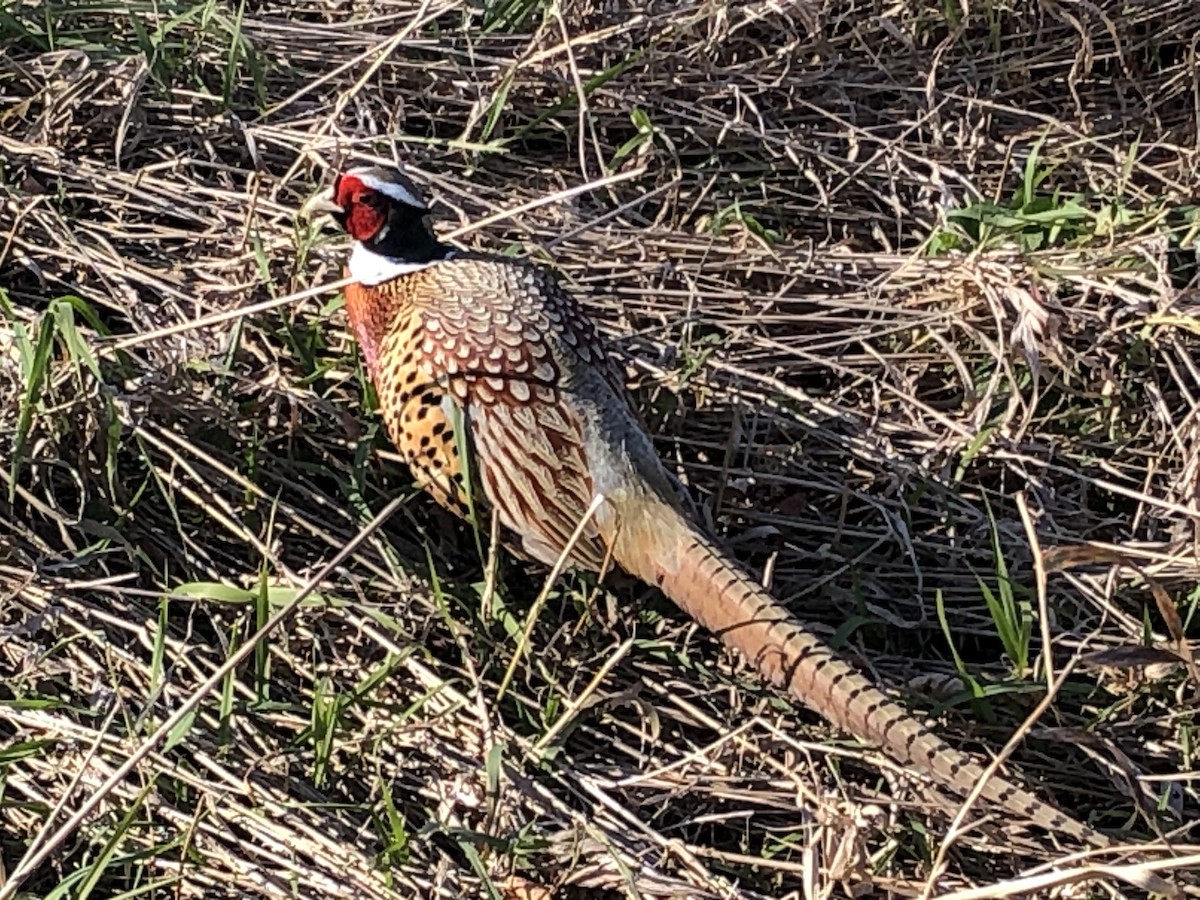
488 343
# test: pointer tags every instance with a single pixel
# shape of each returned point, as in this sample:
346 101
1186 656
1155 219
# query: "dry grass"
908 291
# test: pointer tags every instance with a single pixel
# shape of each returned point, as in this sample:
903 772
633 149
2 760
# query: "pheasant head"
382 210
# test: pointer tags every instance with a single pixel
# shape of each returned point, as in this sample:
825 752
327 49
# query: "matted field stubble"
908 292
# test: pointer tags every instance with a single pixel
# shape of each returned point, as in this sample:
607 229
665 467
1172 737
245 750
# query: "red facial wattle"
365 209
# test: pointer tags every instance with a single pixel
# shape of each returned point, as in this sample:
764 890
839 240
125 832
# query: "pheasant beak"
318 205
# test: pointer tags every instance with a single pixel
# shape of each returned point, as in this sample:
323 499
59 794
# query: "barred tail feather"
716 592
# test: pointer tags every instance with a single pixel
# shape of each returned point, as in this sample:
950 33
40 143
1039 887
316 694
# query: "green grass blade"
35 375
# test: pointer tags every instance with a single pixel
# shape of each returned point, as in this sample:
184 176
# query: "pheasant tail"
715 591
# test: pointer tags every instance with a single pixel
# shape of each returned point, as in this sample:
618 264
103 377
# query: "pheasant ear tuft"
392 183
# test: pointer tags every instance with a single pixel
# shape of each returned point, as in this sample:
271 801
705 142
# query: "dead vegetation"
908 293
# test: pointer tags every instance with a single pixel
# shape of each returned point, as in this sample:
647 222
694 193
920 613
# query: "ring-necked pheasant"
497 348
